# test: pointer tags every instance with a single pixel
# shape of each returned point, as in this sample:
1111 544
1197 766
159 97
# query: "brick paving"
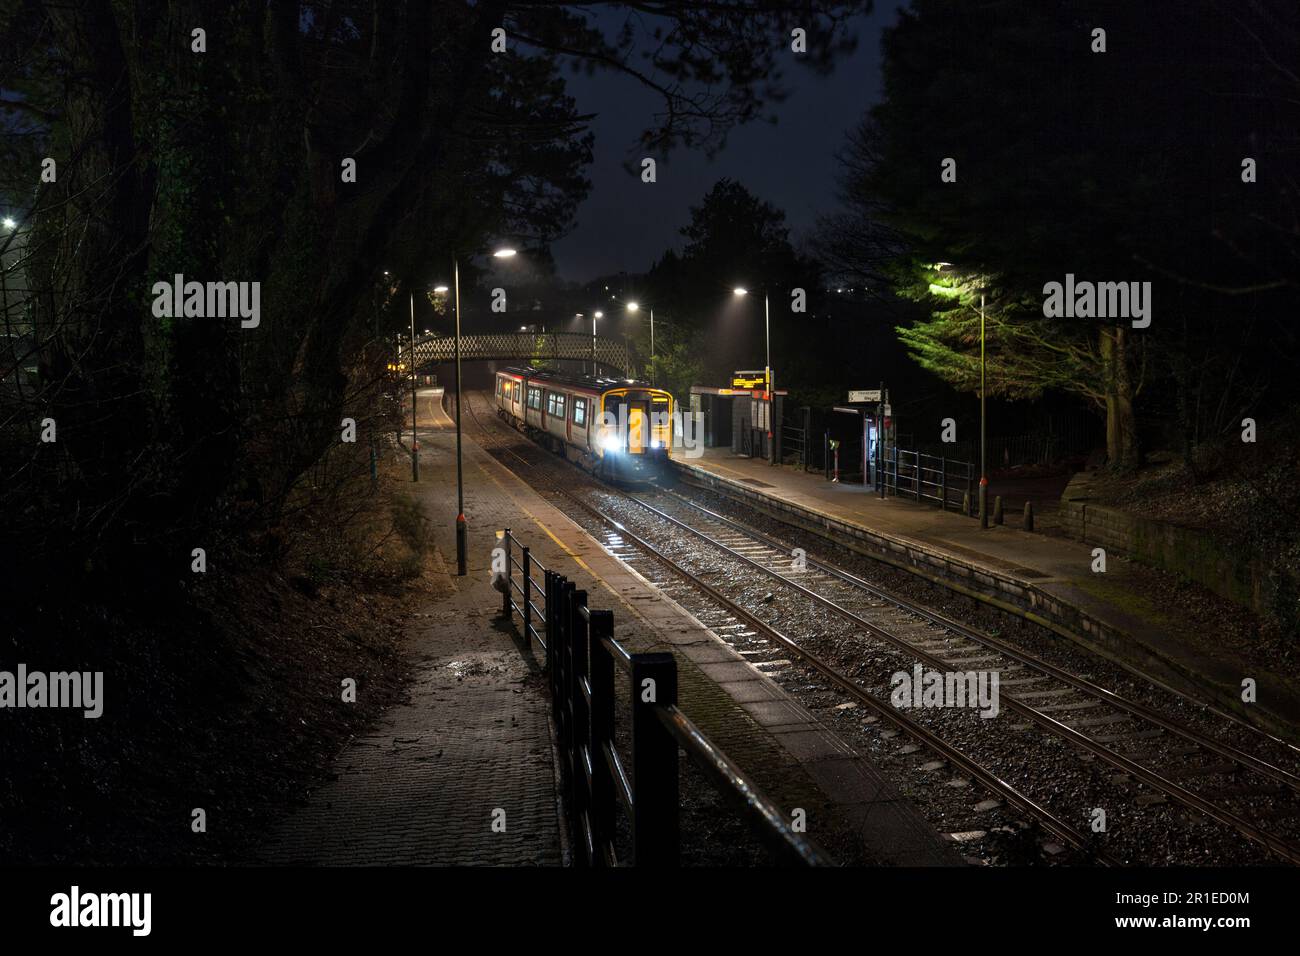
472 740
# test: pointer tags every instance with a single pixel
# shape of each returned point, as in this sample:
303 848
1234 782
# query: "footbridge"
522 347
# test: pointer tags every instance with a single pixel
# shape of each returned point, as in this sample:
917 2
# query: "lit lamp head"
632 306
740 290
505 253
440 290
598 315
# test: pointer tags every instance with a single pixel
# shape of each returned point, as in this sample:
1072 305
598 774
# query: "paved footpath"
474 738
470 748
1052 575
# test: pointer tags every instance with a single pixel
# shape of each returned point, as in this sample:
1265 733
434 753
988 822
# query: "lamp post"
768 384
462 530
397 373
632 307
415 435
984 475
594 316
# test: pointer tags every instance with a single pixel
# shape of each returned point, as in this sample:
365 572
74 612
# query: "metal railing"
527 610
949 482
794 440
584 663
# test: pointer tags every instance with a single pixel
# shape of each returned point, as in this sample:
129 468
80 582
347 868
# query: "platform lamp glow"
768 384
633 307
462 530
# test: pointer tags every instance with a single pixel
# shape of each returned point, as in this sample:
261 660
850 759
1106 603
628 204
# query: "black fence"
948 482
584 663
1061 439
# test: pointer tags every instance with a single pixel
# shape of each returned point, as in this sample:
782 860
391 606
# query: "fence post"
580 723
654 762
943 483
550 644
826 453
527 609
602 734
508 596
970 467
564 662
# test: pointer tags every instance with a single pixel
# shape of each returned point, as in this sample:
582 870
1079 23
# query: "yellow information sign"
750 380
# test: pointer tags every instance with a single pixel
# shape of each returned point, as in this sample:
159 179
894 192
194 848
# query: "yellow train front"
618 429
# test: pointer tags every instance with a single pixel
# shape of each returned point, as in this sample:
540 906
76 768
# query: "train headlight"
610 443
656 444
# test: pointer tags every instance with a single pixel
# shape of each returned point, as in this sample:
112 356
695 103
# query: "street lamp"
594 316
632 307
767 369
415 436
984 475
462 530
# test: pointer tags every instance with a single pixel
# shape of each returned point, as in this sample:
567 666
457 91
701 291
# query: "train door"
637 439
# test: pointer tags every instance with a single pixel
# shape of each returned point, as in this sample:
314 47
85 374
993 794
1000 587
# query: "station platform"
1046 579
474 738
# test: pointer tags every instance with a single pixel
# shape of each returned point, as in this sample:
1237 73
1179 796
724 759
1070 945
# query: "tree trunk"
1122 449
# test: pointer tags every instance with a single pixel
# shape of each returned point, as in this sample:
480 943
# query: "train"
618 429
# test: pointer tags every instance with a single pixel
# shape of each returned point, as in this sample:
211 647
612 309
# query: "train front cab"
638 451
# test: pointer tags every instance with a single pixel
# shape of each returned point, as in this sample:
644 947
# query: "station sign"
748 379
865 395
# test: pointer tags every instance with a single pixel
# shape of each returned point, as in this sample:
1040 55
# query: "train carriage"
618 429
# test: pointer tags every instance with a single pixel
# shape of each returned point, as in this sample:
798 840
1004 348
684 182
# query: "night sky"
625 225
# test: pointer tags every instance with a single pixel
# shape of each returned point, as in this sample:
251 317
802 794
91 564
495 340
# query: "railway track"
1191 769
1125 734
1291 751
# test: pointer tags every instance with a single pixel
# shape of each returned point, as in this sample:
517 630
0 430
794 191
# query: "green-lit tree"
1122 165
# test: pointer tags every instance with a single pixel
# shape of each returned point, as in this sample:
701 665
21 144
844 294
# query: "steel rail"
985 776
1282 848
988 778
1279 774
826 536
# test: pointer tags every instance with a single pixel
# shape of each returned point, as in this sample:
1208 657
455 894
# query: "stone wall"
1234 573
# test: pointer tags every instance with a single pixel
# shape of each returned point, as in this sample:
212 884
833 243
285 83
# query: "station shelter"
868 428
744 416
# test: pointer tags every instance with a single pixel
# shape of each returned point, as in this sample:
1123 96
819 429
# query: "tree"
1115 166
225 164
733 237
